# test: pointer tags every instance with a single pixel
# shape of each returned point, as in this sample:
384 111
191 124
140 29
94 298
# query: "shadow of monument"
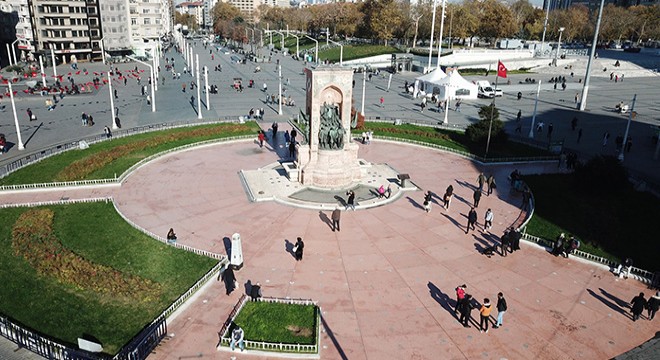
332 337
226 242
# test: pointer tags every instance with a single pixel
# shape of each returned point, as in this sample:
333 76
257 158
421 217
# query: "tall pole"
492 111
18 129
545 23
52 55
364 87
112 102
102 51
279 99
9 54
625 137
536 103
442 25
587 76
432 31
561 31
199 98
13 51
206 85
154 63
153 89
43 74
445 121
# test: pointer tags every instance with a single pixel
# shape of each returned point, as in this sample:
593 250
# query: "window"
133 21
147 21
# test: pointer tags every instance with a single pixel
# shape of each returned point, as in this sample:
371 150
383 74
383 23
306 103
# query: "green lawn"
274 322
96 232
451 139
352 52
290 43
106 159
614 226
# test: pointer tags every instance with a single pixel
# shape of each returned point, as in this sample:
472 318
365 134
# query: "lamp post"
561 31
432 31
545 24
587 76
9 54
18 129
625 137
199 98
153 91
112 102
536 102
13 51
316 51
442 25
154 62
102 50
282 39
297 44
445 121
279 99
364 87
341 52
52 55
43 74
206 85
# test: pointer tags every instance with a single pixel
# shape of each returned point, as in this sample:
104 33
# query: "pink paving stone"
385 282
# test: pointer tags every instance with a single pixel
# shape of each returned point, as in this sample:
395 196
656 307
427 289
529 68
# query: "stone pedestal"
321 166
236 261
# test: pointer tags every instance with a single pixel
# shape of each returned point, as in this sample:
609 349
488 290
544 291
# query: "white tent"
454 86
428 84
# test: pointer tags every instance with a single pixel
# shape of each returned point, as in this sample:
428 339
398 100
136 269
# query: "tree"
616 23
478 132
382 18
466 20
186 19
495 20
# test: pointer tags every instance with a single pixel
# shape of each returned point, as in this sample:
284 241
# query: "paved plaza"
385 282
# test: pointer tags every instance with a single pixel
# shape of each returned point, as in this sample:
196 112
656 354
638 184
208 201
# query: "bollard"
236 260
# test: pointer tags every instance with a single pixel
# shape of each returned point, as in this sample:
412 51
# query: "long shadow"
462 199
33 133
456 223
341 200
414 203
227 244
325 219
610 304
619 302
332 337
442 299
466 184
288 246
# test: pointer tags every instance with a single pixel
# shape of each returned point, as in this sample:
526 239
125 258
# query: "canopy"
428 84
454 86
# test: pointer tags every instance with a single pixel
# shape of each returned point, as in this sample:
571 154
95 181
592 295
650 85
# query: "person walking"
116 96
382 100
501 309
491 184
476 196
255 291
652 306
261 137
465 308
488 219
485 315
550 128
447 197
460 295
292 150
83 118
287 137
481 180
638 304
559 245
350 202
107 132
519 116
472 220
336 216
457 107
29 114
627 264
229 279
298 249
427 201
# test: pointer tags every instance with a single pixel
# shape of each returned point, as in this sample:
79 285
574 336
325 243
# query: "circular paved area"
386 282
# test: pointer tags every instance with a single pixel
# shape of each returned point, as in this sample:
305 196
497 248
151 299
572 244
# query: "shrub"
478 132
602 175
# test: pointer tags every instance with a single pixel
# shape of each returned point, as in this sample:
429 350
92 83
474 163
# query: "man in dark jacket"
299 249
501 309
476 196
638 304
465 308
472 220
336 216
255 291
229 279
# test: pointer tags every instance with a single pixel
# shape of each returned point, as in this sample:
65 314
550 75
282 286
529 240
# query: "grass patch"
614 226
98 234
109 158
290 43
352 52
452 139
275 323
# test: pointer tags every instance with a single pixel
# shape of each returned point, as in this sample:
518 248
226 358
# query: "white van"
485 90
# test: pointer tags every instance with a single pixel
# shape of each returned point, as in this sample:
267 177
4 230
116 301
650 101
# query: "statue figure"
331 131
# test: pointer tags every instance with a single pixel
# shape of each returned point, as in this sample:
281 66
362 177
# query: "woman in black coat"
638 305
300 245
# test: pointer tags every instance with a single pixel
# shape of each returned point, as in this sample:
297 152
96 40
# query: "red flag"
501 69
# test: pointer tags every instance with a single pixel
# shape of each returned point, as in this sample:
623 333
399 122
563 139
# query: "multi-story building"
208 13
114 21
194 8
71 28
149 20
23 28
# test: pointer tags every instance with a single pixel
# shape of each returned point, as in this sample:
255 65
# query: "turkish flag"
501 69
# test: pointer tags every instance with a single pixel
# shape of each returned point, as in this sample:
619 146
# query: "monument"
329 160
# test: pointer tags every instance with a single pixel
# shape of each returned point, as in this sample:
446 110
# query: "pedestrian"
381 192
485 315
292 150
472 220
274 128
606 138
382 100
29 114
519 116
627 264
539 127
505 242
350 202
298 249
476 196
460 295
388 191
447 197
116 96
501 309
574 123
107 132
559 244
638 304
148 99
465 308
125 81
142 90
579 135
550 128
491 184
171 235
427 201
577 96
652 305
255 291
481 180
287 137
237 337
229 279
527 195
488 219
261 137
183 87
336 216
83 119
457 106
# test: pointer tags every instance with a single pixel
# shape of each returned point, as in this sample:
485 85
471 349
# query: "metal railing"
56 202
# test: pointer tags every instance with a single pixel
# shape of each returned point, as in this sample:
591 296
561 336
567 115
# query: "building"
114 21
195 9
71 28
22 28
208 13
149 21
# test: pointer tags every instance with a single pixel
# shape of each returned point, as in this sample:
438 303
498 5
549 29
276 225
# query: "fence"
225 336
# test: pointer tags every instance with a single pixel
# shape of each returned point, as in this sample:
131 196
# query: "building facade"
114 21
194 8
20 15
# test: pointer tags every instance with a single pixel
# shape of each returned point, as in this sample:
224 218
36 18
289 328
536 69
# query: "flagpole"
492 107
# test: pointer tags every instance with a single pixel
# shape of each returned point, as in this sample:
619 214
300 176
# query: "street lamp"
625 137
341 52
561 31
316 51
364 87
432 31
442 25
206 85
18 129
43 74
536 102
297 44
282 40
9 54
102 50
587 76
153 91
199 98
279 100
13 51
52 55
112 102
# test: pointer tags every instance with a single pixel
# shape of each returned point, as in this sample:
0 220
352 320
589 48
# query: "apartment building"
194 8
149 20
16 12
114 22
